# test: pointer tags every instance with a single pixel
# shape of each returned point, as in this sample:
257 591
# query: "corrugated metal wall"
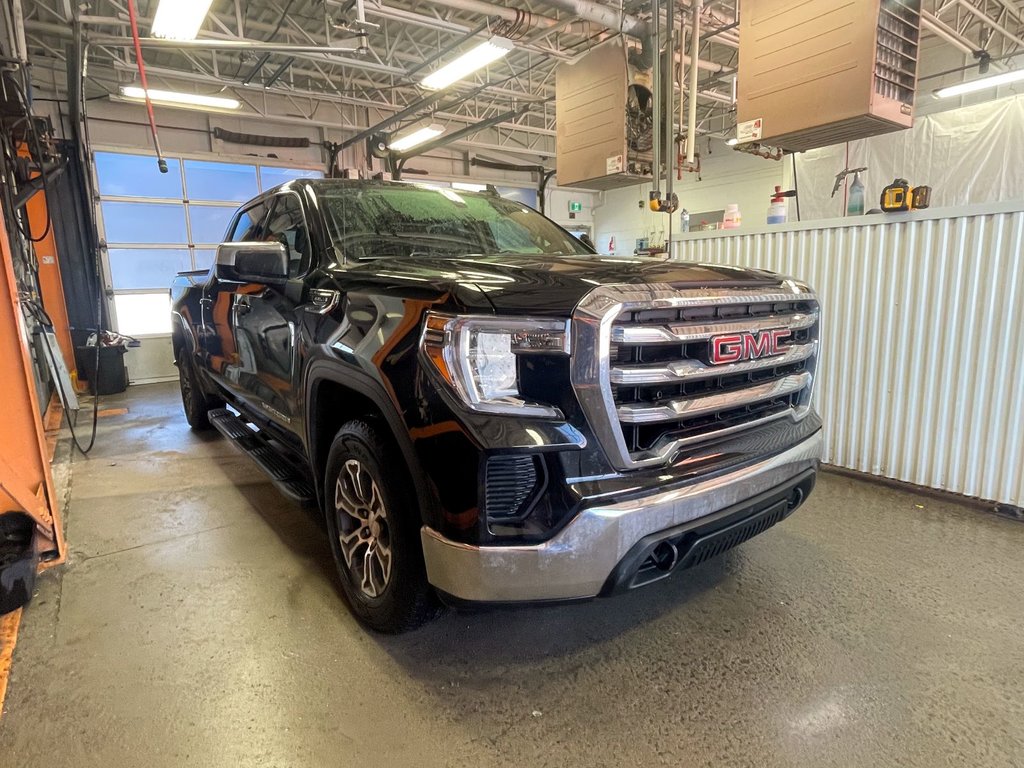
921 376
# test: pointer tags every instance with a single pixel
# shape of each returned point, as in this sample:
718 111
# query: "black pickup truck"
486 410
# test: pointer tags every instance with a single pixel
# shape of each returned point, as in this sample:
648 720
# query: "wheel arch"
334 397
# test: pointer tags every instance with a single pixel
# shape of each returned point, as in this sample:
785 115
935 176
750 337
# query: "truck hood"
553 285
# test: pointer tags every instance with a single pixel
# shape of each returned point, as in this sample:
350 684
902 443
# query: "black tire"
382 574
195 401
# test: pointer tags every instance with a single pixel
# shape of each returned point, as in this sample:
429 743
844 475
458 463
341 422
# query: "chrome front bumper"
576 563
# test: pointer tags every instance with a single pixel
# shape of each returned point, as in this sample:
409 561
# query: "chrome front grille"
653 388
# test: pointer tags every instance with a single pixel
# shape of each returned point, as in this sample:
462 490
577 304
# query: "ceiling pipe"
1016 39
939 28
325 97
626 23
669 95
462 133
715 96
657 96
691 121
208 44
532 20
429 22
324 56
1010 9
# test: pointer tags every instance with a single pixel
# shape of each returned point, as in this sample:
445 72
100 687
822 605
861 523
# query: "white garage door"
156 224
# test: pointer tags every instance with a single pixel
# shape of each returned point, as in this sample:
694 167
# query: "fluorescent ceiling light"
468 63
179 19
980 85
417 137
176 99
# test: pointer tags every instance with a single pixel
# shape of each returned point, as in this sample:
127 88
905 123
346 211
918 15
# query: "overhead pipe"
657 95
626 23
1010 9
715 96
680 79
210 44
691 122
498 11
462 133
951 36
668 94
985 19
387 122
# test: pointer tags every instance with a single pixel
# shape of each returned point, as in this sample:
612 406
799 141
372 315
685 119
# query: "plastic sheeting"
967 156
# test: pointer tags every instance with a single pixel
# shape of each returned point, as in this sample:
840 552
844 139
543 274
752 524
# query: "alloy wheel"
364 532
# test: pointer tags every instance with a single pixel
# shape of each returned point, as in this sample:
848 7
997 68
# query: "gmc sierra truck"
484 408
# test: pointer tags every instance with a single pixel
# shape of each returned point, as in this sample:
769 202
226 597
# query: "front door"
267 326
225 359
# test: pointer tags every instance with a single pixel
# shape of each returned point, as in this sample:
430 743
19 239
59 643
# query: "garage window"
158 224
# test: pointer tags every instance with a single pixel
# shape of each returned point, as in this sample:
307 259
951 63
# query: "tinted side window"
248 226
287 225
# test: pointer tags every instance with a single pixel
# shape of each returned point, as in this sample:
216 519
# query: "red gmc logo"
736 347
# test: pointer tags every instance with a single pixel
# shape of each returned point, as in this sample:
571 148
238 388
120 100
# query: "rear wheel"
196 403
373 524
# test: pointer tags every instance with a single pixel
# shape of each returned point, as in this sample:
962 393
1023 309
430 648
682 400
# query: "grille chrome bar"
676 333
605 320
684 407
692 370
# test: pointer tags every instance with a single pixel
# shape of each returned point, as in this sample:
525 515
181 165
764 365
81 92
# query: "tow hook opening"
796 498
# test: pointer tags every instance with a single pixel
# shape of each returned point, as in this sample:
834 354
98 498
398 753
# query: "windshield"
429 221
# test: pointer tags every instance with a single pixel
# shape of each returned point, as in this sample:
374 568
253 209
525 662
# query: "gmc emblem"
736 347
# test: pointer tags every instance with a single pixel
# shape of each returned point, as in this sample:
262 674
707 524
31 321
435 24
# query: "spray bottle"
855 201
777 209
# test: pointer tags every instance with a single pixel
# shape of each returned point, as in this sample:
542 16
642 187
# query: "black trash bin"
113 377
19 559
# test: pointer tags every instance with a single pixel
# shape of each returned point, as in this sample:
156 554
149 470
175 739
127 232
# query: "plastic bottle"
777 209
732 218
855 201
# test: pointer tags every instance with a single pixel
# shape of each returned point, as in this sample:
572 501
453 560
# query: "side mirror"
252 262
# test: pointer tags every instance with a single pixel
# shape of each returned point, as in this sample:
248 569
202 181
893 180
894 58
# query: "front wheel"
196 403
373 524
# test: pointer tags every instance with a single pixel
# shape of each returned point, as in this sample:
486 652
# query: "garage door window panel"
156 223
271 177
143 313
209 222
139 268
231 182
121 175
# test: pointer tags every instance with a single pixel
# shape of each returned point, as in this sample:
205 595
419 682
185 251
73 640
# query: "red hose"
145 86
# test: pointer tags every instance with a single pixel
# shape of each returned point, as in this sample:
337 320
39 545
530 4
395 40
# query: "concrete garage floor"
198 623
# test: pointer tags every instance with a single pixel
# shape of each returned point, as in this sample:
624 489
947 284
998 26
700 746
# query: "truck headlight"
477 358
